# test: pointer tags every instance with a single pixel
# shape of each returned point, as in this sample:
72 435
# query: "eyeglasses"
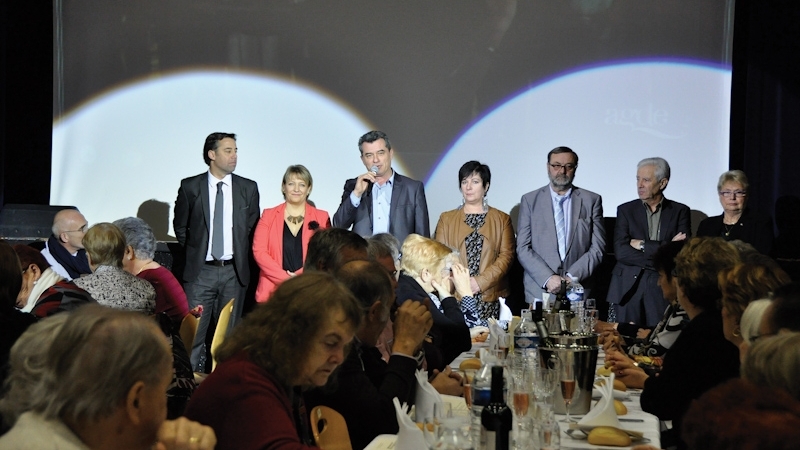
81 229
733 194
568 167
380 153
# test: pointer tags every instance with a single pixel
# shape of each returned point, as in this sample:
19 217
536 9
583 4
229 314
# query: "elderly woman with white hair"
737 221
140 249
430 273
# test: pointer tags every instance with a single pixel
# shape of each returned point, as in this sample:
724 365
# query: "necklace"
144 266
728 228
294 219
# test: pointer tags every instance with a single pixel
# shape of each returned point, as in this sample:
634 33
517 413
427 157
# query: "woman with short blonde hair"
429 273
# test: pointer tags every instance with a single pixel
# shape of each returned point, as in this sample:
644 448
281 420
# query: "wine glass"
570 390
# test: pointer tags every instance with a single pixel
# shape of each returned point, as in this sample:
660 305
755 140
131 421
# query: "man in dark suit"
550 255
215 215
382 200
642 226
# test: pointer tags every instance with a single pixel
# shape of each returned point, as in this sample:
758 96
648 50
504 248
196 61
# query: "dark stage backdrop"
138 86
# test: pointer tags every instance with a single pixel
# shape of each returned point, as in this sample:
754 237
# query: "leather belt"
219 262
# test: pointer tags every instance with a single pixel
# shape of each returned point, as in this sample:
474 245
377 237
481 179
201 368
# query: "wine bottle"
496 417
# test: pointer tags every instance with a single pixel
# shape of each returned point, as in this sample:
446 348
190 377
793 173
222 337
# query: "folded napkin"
409 436
505 311
426 397
603 413
476 331
618 395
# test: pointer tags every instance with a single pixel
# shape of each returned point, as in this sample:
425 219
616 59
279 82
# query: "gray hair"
379 244
27 362
775 362
661 165
138 235
95 360
751 318
733 176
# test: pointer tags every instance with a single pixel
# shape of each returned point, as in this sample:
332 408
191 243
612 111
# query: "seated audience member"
293 342
102 386
330 248
783 313
108 283
365 385
44 292
701 357
761 410
28 358
648 352
64 249
12 322
171 306
380 249
425 276
750 324
138 260
742 285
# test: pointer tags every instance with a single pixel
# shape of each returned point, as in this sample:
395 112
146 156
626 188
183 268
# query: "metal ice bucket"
577 349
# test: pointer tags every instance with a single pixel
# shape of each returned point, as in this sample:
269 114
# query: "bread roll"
609 436
472 363
604 371
620 408
618 384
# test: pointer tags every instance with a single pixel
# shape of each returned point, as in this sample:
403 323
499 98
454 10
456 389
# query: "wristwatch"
641 245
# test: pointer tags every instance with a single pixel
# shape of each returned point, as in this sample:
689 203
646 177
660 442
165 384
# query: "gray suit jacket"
537 245
192 223
408 212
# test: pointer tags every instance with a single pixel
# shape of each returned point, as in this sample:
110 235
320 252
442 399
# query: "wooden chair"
188 331
329 429
221 331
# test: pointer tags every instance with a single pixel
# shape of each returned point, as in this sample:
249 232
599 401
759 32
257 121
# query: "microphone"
374 170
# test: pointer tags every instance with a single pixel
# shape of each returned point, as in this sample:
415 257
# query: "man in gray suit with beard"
382 200
215 215
560 233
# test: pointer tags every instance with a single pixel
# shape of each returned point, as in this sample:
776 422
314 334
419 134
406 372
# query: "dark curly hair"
278 334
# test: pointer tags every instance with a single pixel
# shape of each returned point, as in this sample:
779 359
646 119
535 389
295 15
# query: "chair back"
188 331
220 331
329 429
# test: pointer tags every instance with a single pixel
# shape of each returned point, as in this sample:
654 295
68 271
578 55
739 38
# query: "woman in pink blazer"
282 234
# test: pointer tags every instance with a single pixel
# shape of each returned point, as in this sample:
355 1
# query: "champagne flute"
570 390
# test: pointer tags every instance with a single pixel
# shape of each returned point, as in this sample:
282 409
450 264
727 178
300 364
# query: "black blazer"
407 214
753 228
449 332
192 223
632 224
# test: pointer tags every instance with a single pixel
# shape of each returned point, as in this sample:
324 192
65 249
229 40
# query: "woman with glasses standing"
737 221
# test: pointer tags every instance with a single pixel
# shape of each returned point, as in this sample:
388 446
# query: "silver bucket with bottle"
579 352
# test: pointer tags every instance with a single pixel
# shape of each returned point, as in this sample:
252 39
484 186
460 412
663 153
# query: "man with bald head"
64 250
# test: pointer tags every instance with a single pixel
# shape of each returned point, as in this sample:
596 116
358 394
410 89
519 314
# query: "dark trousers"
213 288
646 307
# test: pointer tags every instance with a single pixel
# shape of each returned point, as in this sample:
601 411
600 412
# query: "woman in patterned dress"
483 236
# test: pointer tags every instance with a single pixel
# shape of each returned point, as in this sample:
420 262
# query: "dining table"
635 420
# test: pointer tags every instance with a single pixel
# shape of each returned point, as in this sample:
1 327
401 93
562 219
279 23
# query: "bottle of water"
526 339
575 292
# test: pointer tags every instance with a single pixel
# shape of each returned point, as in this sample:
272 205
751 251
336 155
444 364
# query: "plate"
581 432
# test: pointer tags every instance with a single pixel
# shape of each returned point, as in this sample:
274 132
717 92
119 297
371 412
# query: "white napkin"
426 397
505 311
475 331
409 436
618 395
603 413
